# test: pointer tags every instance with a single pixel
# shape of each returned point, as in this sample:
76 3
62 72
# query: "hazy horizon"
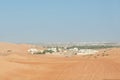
35 21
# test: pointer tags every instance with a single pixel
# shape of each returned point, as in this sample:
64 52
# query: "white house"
32 50
52 49
86 51
74 49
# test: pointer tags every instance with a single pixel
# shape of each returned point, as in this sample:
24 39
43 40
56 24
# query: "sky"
37 21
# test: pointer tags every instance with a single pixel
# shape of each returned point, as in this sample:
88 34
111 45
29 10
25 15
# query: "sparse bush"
92 47
107 55
44 52
95 57
103 54
47 51
39 53
9 50
97 54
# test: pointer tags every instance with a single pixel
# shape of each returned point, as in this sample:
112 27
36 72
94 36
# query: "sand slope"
44 67
13 48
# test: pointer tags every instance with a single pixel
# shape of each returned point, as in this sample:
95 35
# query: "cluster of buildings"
63 51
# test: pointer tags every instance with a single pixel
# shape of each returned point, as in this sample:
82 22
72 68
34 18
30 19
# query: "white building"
74 49
32 50
86 51
52 49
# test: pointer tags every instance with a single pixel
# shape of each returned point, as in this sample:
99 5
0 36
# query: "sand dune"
44 67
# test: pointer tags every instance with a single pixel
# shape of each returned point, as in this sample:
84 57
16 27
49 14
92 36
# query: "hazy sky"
59 20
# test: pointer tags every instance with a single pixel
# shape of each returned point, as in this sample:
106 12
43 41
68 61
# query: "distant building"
52 49
32 50
86 51
74 49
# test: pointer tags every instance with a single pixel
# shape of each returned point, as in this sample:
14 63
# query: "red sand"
18 66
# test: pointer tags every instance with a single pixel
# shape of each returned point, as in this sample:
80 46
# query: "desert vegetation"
44 52
93 47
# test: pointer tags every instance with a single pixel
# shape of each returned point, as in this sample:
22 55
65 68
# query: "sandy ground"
18 66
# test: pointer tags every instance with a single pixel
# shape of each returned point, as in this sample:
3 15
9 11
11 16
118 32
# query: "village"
62 51
71 49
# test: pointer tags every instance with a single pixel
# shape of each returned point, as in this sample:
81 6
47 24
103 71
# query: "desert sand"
20 65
